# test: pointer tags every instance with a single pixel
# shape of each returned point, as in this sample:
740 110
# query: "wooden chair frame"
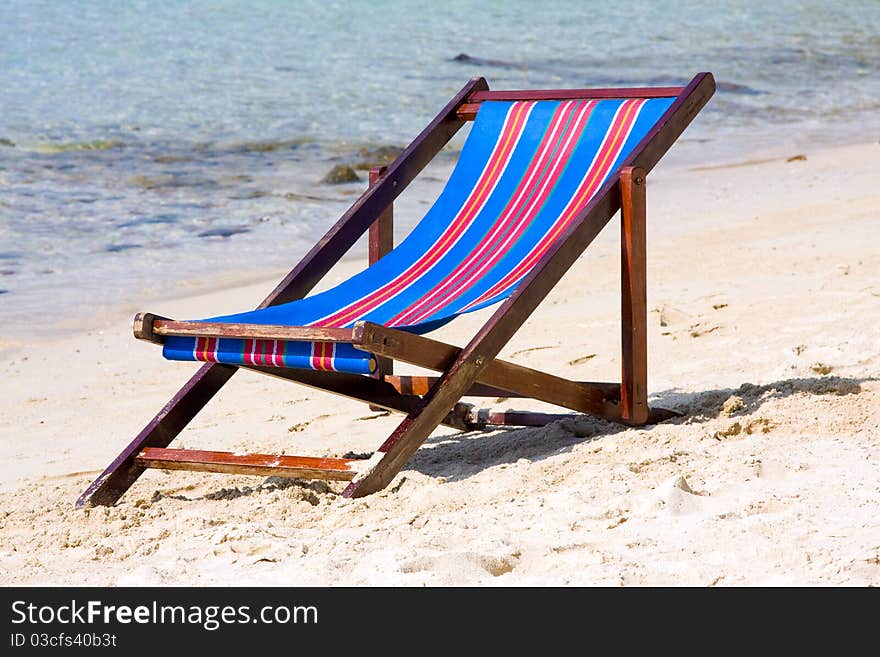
472 370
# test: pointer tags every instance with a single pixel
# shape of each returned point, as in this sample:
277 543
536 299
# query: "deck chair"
539 175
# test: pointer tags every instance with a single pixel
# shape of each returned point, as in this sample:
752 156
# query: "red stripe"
604 159
538 181
322 356
481 191
318 355
312 356
211 350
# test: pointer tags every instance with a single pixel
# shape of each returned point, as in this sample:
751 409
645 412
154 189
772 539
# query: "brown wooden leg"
162 429
381 230
381 243
634 383
416 427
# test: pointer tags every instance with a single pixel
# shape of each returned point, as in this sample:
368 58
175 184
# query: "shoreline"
763 305
100 318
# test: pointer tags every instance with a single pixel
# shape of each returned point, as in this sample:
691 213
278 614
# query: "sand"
764 297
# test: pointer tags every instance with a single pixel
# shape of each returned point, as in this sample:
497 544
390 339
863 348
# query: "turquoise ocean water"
154 148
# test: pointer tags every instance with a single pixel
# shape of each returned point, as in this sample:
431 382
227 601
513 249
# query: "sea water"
151 149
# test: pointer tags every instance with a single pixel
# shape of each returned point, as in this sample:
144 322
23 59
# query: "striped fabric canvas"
527 168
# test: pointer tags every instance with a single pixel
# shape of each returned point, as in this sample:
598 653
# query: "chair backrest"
526 169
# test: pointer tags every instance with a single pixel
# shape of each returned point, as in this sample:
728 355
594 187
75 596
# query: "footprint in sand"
457 562
523 352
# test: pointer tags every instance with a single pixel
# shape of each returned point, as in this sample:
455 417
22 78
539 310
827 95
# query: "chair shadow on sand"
457 457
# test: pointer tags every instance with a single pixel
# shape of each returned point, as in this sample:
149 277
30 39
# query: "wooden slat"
435 355
566 94
468 111
264 465
252 331
633 297
420 385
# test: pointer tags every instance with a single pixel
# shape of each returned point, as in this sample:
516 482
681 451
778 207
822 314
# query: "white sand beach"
764 298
